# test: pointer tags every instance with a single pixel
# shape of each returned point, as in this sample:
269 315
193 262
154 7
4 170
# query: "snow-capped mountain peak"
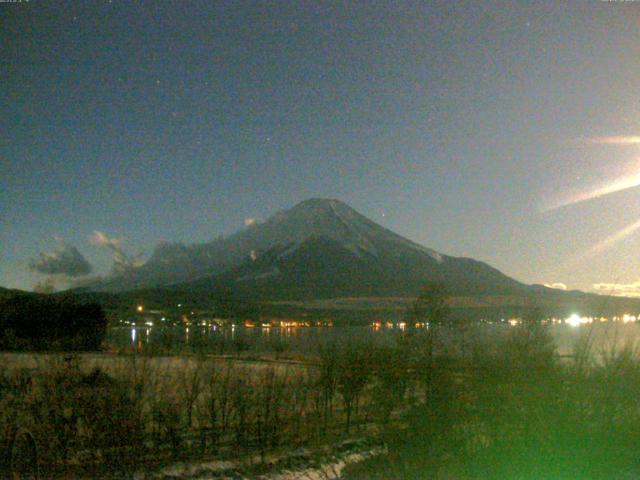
318 240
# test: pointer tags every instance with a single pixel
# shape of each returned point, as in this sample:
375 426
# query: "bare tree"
352 375
431 307
191 383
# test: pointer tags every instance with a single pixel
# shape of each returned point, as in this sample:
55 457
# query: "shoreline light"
576 320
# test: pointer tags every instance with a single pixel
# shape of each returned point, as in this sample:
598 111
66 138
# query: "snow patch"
260 275
432 253
296 465
354 226
327 471
289 250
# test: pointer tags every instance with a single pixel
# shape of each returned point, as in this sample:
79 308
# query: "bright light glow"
629 179
576 320
624 183
140 308
617 140
149 324
573 320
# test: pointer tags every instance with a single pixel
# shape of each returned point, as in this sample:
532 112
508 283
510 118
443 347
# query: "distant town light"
140 308
576 320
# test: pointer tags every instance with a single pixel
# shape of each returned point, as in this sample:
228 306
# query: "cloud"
99 239
85 281
65 260
249 221
616 140
556 285
121 260
619 289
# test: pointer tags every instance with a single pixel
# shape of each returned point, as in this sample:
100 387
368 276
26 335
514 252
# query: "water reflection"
236 338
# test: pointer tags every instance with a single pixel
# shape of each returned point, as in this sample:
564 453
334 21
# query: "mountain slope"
318 248
323 248
321 267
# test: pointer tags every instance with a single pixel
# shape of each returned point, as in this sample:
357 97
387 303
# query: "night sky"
505 132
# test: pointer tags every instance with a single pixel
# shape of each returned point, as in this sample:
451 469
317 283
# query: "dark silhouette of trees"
353 368
432 310
430 307
39 322
227 303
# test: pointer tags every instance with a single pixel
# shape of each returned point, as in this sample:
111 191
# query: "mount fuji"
320 248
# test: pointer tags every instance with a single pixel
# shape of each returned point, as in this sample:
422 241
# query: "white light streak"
617 140
612 239
624 183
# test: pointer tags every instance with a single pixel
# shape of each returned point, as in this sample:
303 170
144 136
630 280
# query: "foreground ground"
506 410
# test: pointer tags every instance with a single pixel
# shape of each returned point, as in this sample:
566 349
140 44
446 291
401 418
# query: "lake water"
302 340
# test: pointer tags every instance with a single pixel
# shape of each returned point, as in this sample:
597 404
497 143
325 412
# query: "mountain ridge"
310 244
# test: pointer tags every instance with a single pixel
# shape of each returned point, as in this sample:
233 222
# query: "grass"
458 409
97 415
515 411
